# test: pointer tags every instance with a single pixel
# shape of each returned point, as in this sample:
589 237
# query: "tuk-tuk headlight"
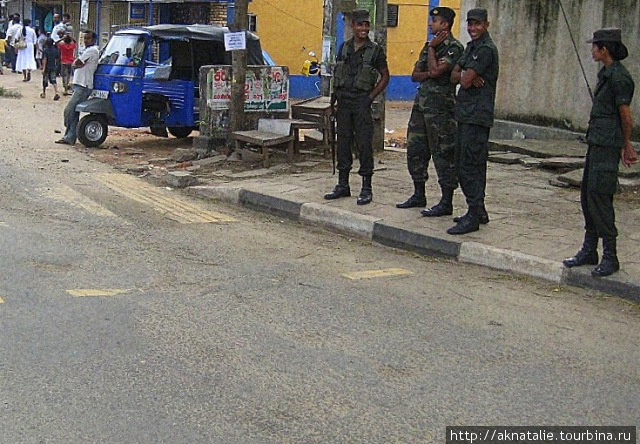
118 87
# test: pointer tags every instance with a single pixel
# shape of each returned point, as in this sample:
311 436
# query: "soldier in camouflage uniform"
432 127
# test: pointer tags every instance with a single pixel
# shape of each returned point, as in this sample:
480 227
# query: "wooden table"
318 110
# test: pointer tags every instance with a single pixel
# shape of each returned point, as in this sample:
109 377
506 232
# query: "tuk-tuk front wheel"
92 130
180 131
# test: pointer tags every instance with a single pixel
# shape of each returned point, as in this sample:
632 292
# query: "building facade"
289 30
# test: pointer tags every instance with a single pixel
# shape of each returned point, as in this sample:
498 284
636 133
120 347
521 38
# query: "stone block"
180 179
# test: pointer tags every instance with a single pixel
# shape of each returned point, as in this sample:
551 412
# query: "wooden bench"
270 132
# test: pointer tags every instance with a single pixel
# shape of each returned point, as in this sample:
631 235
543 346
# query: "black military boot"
588 254
609 264
418 199
442 208
342 188
366 194
468 223
483 216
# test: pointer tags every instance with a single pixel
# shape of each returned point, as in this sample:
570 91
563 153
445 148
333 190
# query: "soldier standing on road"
361 73
608 137
432 127
477 72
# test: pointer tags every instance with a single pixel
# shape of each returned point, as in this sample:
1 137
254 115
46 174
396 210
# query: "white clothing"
84 76
12 32
26 57
54 32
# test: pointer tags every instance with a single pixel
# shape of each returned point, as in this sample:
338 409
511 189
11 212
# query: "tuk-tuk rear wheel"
180 131
92 130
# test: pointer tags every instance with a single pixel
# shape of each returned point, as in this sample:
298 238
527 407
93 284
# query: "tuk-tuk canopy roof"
186 32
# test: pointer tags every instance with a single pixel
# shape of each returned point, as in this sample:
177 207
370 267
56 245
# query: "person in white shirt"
60 29
85 66
26 61
12 34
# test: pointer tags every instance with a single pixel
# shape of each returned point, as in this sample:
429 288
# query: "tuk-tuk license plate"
100 94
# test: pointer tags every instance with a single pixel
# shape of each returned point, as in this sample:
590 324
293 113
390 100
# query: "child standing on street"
3 49
67 48
50 57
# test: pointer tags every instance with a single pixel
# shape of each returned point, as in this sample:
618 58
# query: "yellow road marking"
368 274
161 200
89 292
68 195
1 301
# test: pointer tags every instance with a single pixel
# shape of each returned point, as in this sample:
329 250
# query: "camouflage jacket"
438 95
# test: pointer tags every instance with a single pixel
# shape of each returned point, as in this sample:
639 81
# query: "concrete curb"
375 229
397 237
581 277
270 204
513 261
223 193
339 219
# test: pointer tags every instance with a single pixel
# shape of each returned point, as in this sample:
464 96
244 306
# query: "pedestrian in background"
361 73
477 72
26 61
608 137
67 48
50 57
42 37
12 35
85 66
432 125
3 50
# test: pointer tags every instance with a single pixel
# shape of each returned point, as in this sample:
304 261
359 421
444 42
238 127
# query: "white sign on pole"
235 40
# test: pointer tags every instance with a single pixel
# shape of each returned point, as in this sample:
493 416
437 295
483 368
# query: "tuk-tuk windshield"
127 50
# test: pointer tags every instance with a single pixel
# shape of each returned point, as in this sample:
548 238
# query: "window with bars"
392 16
253 23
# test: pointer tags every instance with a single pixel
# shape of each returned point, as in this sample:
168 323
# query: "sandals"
56 97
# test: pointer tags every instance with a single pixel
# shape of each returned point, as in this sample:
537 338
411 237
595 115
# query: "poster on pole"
235 40
327 60
266 88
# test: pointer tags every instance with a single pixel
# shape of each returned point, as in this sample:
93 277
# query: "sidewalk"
533 225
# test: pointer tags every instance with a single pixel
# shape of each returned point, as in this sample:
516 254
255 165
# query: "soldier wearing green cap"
432 126
609 142
361 73
477 72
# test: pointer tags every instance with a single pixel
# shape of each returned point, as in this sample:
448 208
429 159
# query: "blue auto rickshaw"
149 77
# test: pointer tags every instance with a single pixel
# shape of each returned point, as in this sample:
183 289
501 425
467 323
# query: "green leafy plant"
10 92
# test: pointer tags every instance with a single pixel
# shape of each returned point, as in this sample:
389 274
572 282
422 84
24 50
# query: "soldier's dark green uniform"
353 117
605 137
475 108
432 126
356 75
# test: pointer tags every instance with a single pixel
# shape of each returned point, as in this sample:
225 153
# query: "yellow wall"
405 41
289 30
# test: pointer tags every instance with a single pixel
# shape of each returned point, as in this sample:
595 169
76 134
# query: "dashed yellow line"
1 301
68 195
368 274
92 292
161 200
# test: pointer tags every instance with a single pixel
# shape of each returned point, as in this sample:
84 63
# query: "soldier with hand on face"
432 126
361 73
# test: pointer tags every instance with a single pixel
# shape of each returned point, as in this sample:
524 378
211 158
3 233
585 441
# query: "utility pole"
238 69
380 36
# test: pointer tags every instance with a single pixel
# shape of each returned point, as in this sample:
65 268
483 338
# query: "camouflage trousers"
432 135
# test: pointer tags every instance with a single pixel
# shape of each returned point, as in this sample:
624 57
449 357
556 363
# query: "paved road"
133 314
